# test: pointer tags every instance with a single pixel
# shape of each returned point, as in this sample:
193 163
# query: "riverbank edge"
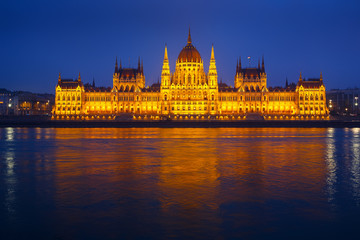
179 124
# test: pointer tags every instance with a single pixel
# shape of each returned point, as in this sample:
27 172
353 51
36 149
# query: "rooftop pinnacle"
189 37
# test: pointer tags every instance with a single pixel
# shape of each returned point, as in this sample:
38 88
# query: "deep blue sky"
38 39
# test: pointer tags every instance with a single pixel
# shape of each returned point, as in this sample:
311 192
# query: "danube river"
152 183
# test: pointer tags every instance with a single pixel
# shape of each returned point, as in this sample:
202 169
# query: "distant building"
26 103
191 93
343 101
6 102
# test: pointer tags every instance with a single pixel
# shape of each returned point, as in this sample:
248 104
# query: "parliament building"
190 93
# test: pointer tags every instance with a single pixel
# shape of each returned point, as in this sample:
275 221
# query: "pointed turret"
139 64
263 64
300 78
189 37
59 79
212 53
93 84
116 66
259 64
165 54
321 77
212 69
165 74
238 76
286 82
79 78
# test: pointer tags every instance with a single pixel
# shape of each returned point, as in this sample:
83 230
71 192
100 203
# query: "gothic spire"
239 63
165 54
263 64
142 66
139 64
166 67
286 82
212 66
116 66
300 78
237 66
59 79
212 53
259 64
79 78
321 78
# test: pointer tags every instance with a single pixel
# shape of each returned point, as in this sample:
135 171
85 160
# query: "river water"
176 183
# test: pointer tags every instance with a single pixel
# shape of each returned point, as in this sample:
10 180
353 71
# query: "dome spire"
189 37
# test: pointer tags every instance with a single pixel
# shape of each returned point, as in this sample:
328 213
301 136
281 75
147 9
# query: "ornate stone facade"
190 93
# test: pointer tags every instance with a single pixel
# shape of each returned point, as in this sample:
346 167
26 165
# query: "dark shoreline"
42 123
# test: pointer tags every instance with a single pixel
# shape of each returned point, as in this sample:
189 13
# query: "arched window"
321 97
165 97
311 97
306 97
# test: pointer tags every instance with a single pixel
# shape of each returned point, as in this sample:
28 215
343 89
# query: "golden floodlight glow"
190 93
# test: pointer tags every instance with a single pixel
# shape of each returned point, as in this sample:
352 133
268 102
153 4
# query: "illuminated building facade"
190 93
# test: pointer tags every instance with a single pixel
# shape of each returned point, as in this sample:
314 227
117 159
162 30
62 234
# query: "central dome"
189 53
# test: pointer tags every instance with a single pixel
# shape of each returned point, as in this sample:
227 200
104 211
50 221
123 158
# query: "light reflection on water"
178 183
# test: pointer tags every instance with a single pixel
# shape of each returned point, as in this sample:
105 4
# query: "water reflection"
330 164
179 183
355 164
8 168
9 133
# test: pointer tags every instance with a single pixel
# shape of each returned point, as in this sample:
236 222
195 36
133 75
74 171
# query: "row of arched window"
68 97
311 98
127 88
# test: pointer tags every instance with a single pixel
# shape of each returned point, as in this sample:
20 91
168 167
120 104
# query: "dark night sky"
39 39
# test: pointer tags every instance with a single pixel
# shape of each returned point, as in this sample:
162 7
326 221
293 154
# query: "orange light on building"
189 93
